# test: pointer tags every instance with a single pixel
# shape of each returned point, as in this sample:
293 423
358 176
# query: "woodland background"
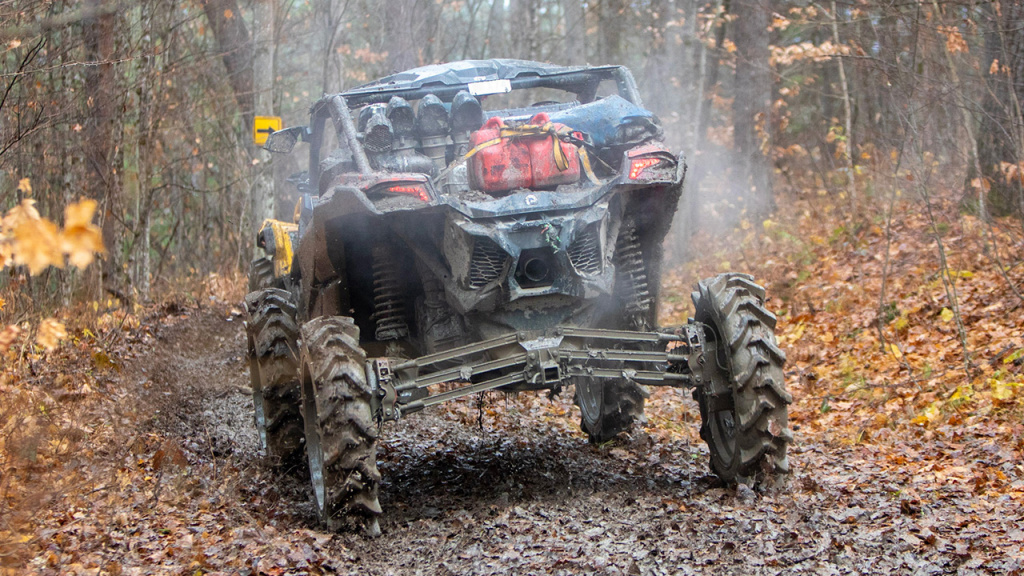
864 159
146 106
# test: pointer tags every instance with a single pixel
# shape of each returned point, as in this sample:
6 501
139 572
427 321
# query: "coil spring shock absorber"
632 274
388 305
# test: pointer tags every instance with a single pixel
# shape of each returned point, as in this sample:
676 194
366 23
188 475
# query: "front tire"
261 275
341 435
273 373
744 409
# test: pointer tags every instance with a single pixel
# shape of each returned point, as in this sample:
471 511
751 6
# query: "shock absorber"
388 304
632 274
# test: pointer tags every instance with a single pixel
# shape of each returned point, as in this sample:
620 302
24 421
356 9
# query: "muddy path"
512 486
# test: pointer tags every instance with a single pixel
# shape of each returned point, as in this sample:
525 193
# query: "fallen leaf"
50 333
37 246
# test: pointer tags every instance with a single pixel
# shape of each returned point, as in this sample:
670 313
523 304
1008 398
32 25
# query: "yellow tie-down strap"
563 134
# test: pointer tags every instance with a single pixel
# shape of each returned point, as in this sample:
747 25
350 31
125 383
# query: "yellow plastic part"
283 251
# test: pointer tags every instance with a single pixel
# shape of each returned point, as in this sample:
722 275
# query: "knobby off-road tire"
608 407
746 424
273 374
341 435
261 275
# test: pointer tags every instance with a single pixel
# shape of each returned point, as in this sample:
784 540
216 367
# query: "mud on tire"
608 407
261 274
341 434
745 413
273 373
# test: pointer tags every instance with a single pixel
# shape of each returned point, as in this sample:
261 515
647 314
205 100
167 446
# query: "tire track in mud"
526 493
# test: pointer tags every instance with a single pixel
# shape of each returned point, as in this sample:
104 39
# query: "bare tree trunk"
574 14
406 32
98 32
851 183
999 137
709 78
494 33
612 14
524 15
330 15
263 79
225 20
752 105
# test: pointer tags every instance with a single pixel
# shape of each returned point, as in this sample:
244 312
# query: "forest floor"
130 450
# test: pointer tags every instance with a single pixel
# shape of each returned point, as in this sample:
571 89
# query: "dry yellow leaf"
25 186
895 351
20 213
50 333
963 393
929 414
8 336
901 323
81 239
79 213
1003 391
81 245
946 315
37 245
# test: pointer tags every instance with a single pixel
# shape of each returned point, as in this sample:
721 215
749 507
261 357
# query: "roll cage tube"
583 83
336 108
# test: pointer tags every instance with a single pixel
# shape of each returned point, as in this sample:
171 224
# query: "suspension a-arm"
523 361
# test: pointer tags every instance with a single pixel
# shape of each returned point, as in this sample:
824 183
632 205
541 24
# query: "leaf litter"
140 457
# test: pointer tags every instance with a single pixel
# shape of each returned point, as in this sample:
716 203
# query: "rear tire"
744 409
608 407
341 434
273 373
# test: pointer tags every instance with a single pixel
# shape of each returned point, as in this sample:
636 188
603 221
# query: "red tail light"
417 190
638 165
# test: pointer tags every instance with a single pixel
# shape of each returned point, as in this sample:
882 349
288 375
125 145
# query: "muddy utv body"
491 225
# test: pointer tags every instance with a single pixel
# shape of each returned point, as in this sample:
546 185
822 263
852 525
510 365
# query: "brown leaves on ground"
129 450
883 387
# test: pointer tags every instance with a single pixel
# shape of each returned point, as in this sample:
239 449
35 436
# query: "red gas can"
502 164
546 172
522 157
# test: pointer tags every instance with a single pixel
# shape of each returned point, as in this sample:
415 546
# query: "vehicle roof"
465 71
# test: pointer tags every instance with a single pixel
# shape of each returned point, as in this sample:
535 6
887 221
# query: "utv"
491 225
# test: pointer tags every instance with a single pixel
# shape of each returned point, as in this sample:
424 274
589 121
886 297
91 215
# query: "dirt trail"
524 494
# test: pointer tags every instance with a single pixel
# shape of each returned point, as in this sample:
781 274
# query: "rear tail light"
416 190
638 165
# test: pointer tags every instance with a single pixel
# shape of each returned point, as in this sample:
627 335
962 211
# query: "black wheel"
744 407
608 407
261 274
341 435
274 375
